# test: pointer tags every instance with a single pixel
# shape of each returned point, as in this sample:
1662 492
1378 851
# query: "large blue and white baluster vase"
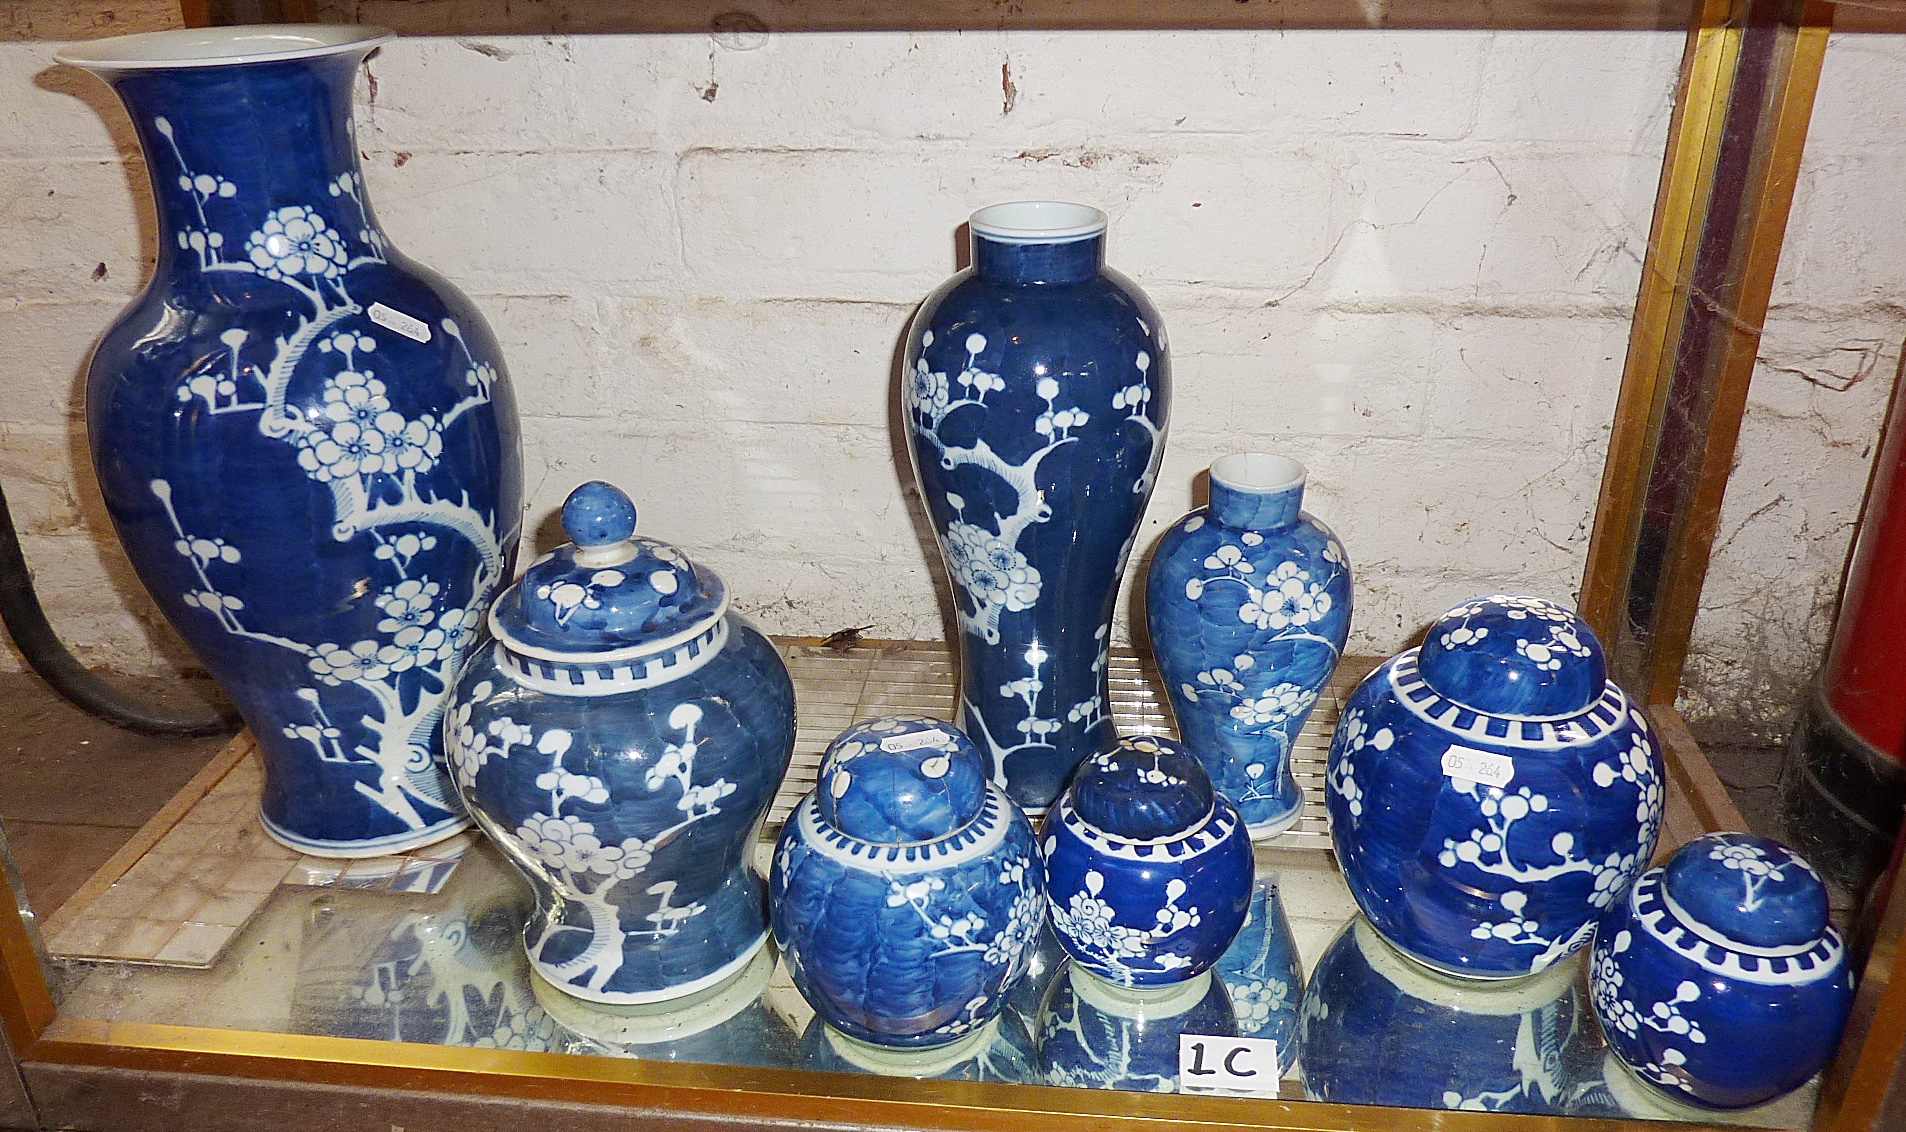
1036 392
1248 602
307 442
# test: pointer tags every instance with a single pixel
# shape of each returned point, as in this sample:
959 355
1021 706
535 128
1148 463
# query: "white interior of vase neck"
220 47
1038 222
1258 473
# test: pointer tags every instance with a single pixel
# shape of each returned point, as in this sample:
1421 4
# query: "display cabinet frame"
1745 93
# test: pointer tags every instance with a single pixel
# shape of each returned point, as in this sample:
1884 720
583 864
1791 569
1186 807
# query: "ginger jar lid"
901 780
1751 891
1520 658
1145 788
608 594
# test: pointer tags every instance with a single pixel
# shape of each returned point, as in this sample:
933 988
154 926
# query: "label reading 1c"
415 329
1231 1065
1485 768
913 741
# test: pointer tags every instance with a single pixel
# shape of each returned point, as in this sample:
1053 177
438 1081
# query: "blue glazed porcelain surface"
1093 1035
1035 389
1148 870
1377 1029
1718 980
1248 601
1262 974
906 888
623 767
1000 1050
306 441
1480 880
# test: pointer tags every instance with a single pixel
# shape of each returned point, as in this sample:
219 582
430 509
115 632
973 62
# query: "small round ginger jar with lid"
1491 792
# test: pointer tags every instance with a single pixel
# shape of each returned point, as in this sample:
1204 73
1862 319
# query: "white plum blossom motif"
1355 735
991 575
1087 921
370 457
995 574
1285 701
1255 1000
584 869
1756 869
295 241
568 597
1606 981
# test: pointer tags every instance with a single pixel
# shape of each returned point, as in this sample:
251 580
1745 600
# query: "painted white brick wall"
1406 258
1827 364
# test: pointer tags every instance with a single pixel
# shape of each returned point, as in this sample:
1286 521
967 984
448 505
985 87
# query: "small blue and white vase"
1148 869
906 889
1376 1028
619 742
306 441
726 1024
1094 1035
1000 1050
1035 393
1248 601
1718 980
1491 792
1262 975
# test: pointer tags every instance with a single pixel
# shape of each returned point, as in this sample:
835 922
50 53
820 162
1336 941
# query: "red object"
1866 664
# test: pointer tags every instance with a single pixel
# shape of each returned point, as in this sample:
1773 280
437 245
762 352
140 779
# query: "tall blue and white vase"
1248 601
1148 869
1036 391
620 741
1492 793
306 441
1376 1028
1718 980
906 890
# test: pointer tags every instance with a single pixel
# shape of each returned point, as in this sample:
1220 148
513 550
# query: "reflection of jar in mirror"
999 1050
1376 1028
726 1024
619 742
1262 974
1093 1034
1492 793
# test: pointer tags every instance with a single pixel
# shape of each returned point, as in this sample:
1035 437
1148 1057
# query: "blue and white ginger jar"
907 889
1375 1028
1094 1035
619 742
306 441
1491 881
1035 391
1248 600
1148 869
1718 980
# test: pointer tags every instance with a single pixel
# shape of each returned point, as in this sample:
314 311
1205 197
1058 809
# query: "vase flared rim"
1038 222
220 46
1258 473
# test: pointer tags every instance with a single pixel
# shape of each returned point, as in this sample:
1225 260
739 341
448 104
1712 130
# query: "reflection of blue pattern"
1094 1035
1262 974
1687 1003
1002 1051
1249 611
321 505
1035 390
1479 880
1374 1029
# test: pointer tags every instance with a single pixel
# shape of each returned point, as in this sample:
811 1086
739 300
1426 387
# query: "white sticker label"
1232 1065
913 741
1486 768
414 329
